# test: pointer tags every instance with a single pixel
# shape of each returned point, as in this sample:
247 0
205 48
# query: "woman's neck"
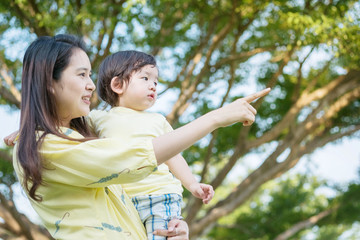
65 123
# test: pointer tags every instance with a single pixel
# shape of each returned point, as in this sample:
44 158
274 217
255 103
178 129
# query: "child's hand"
202 191
11 139
239 110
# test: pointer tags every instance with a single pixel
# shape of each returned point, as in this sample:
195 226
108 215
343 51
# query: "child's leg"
155 222
156 211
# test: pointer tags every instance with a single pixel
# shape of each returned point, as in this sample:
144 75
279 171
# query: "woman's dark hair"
121 65
44 61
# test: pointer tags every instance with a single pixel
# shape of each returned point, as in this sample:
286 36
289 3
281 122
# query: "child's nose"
152 86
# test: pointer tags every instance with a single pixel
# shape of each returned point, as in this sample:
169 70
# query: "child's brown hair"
121 65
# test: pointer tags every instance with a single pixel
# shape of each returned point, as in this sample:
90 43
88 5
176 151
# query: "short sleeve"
92 120
96 163
167 126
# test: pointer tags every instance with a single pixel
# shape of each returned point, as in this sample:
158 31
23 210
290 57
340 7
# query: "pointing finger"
252 109
257 95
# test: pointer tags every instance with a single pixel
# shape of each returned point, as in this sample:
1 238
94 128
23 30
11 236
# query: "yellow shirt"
79 200
129 124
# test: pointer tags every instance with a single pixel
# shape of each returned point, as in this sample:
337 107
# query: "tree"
208 49
283 208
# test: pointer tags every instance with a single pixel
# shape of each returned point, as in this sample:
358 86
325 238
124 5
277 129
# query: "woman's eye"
82 74
155 83
145 78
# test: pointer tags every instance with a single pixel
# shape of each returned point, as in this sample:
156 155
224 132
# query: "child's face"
140 94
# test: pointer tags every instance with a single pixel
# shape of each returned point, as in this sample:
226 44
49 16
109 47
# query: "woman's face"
74 89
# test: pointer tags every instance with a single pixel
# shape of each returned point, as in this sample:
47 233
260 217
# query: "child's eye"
155 83
145 78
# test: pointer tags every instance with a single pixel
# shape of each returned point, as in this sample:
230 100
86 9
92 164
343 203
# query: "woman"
71 178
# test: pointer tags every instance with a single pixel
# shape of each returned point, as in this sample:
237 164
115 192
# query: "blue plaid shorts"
156 211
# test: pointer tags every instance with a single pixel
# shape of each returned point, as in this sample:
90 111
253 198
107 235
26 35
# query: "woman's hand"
11 139
177 230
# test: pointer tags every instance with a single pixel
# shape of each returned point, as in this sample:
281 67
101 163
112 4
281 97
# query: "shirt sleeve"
167 126
91 120
96 163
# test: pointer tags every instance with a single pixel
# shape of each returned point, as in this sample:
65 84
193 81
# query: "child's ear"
117 85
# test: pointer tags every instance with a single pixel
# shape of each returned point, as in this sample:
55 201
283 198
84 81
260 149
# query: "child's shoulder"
155 115
95 114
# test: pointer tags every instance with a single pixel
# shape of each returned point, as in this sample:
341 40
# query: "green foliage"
349 210
273 210
7 176
282 203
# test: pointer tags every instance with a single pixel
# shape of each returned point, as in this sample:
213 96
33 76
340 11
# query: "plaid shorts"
156 211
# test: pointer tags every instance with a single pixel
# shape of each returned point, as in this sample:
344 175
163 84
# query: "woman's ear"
51 87
117 85
52 90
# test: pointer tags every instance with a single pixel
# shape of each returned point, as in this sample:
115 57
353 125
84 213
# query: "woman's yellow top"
82 198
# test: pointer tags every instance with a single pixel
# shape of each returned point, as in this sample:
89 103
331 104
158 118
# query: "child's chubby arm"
181 170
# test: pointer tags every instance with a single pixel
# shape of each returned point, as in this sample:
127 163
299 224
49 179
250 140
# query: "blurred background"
294 174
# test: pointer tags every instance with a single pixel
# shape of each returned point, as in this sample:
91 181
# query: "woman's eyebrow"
83 68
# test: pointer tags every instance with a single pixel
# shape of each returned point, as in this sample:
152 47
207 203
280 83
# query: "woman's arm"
172 143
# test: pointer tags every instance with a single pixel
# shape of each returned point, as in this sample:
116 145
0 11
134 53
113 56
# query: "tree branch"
304 100
188 87
241 56
304 224
12 94
10 206
297 89
193 58
31 21
313 121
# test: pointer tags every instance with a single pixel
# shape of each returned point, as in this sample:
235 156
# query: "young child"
127 80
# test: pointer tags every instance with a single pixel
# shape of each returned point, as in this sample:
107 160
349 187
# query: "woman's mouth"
86 99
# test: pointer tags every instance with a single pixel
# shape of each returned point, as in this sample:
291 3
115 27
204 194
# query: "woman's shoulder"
69 137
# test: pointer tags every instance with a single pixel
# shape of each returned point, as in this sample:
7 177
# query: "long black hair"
44 61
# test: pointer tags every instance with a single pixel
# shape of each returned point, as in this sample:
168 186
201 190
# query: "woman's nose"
90 86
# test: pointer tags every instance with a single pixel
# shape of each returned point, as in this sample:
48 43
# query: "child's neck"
139 110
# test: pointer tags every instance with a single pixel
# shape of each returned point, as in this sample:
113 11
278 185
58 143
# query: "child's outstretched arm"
172 143
181 170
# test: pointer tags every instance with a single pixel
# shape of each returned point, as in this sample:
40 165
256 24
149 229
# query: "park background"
294 174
